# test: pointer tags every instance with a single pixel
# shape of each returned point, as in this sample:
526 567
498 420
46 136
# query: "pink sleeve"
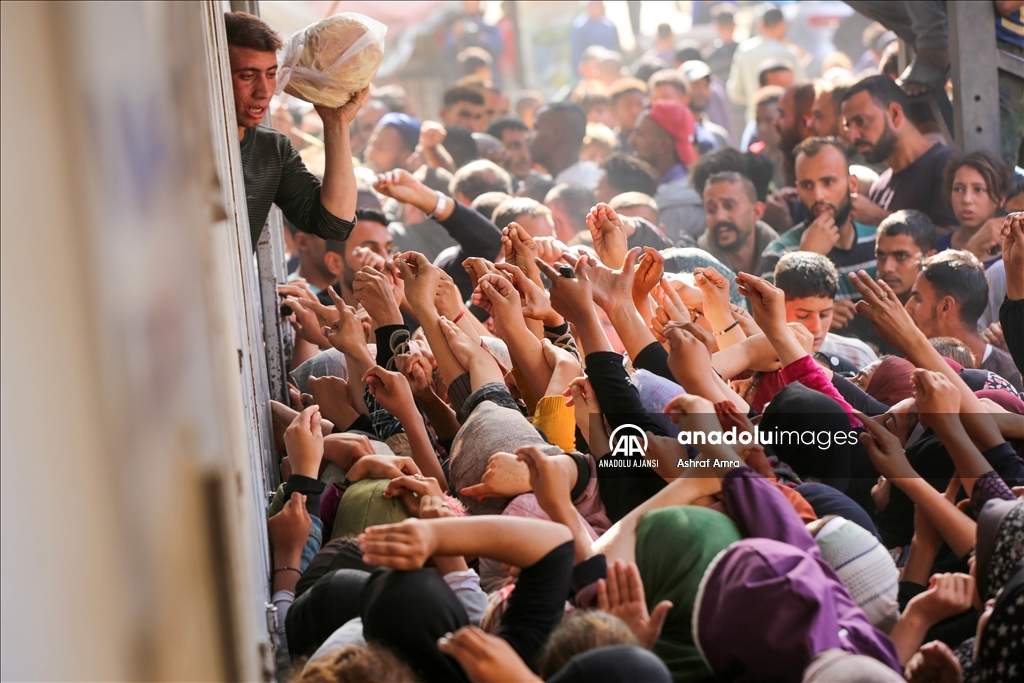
808 373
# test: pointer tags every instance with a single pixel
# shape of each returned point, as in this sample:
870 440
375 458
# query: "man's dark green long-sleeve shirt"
274 174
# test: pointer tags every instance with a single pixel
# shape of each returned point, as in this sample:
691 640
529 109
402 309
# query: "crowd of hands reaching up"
538 285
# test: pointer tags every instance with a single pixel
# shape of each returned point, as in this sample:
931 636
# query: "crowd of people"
526 329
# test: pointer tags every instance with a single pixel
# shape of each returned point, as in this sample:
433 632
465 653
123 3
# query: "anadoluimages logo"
626 440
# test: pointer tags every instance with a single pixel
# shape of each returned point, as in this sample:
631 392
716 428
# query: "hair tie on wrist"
459 316
286 569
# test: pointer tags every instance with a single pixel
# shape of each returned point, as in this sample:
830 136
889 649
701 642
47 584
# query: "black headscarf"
805 410
1001 653
613 664
408 612
323 609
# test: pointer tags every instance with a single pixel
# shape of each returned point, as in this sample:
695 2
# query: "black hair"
760 171
645 70
461 93
771 67
575 199
505 122
460 144
626 173
722 14
811 146
478 177
772 16
472 58
717 161
734 177
249 31
882 89
801 274
574 116
959 274
372 215
687 51
913 223
535 187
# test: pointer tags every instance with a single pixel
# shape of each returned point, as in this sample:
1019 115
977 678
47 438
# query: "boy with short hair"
810 282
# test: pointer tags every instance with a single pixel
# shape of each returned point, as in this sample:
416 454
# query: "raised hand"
465 350
478 267
432 134
609 235
882 307
934 662
297 288
843 311
621 594
520 250
693 413
306 323
767 302
506 304
417 370
1012 235
382 466
587 411
288 531
885 450
649 271
405 546
571 297
401 185
345 448
549 249
391 390
304 442
346 332
421 279
506 476
376 293
612 287
486 658
448 299
534 299
331 394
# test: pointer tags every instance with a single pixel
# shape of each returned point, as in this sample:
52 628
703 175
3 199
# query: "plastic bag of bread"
327 62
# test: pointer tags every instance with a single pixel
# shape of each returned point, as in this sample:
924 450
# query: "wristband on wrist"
286 569
459 316
439 208
728 329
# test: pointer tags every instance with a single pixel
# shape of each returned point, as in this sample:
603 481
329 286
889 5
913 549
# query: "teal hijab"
674 547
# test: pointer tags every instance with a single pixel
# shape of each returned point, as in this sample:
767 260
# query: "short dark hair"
472 58
989 165
626 173
734 177
801 274
768 94
478 177
882 89
372 215
717 161
505 122
811 146
643 71
959 274
248 31
722 14
913 223
462 93
511 209
570 112
535 187
668 77
770 67
575 199
460 144
486 203
771 15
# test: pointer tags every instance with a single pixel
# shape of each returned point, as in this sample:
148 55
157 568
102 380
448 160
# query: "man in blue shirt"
591 28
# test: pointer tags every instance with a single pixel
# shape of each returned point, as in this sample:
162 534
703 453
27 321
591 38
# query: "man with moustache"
794 122
735 235
824 185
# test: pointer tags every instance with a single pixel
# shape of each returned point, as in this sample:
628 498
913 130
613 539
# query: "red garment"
677 121
891 382
807 372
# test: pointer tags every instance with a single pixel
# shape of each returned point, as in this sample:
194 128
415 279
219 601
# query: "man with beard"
736 235
874 116
823 185
794 122
904 240
371 232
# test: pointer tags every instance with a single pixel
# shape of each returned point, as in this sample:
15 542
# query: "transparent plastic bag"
326 62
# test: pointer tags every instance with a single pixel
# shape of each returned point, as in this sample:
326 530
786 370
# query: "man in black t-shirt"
874 115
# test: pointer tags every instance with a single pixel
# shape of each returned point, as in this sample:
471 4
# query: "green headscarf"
674 547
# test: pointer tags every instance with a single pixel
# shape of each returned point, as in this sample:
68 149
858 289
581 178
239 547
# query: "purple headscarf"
789 605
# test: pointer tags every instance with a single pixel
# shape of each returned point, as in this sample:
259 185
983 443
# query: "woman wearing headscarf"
407 609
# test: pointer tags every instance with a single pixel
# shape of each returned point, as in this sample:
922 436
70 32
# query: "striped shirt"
274 174
861 256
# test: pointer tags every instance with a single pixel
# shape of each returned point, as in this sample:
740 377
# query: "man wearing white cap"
708 103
